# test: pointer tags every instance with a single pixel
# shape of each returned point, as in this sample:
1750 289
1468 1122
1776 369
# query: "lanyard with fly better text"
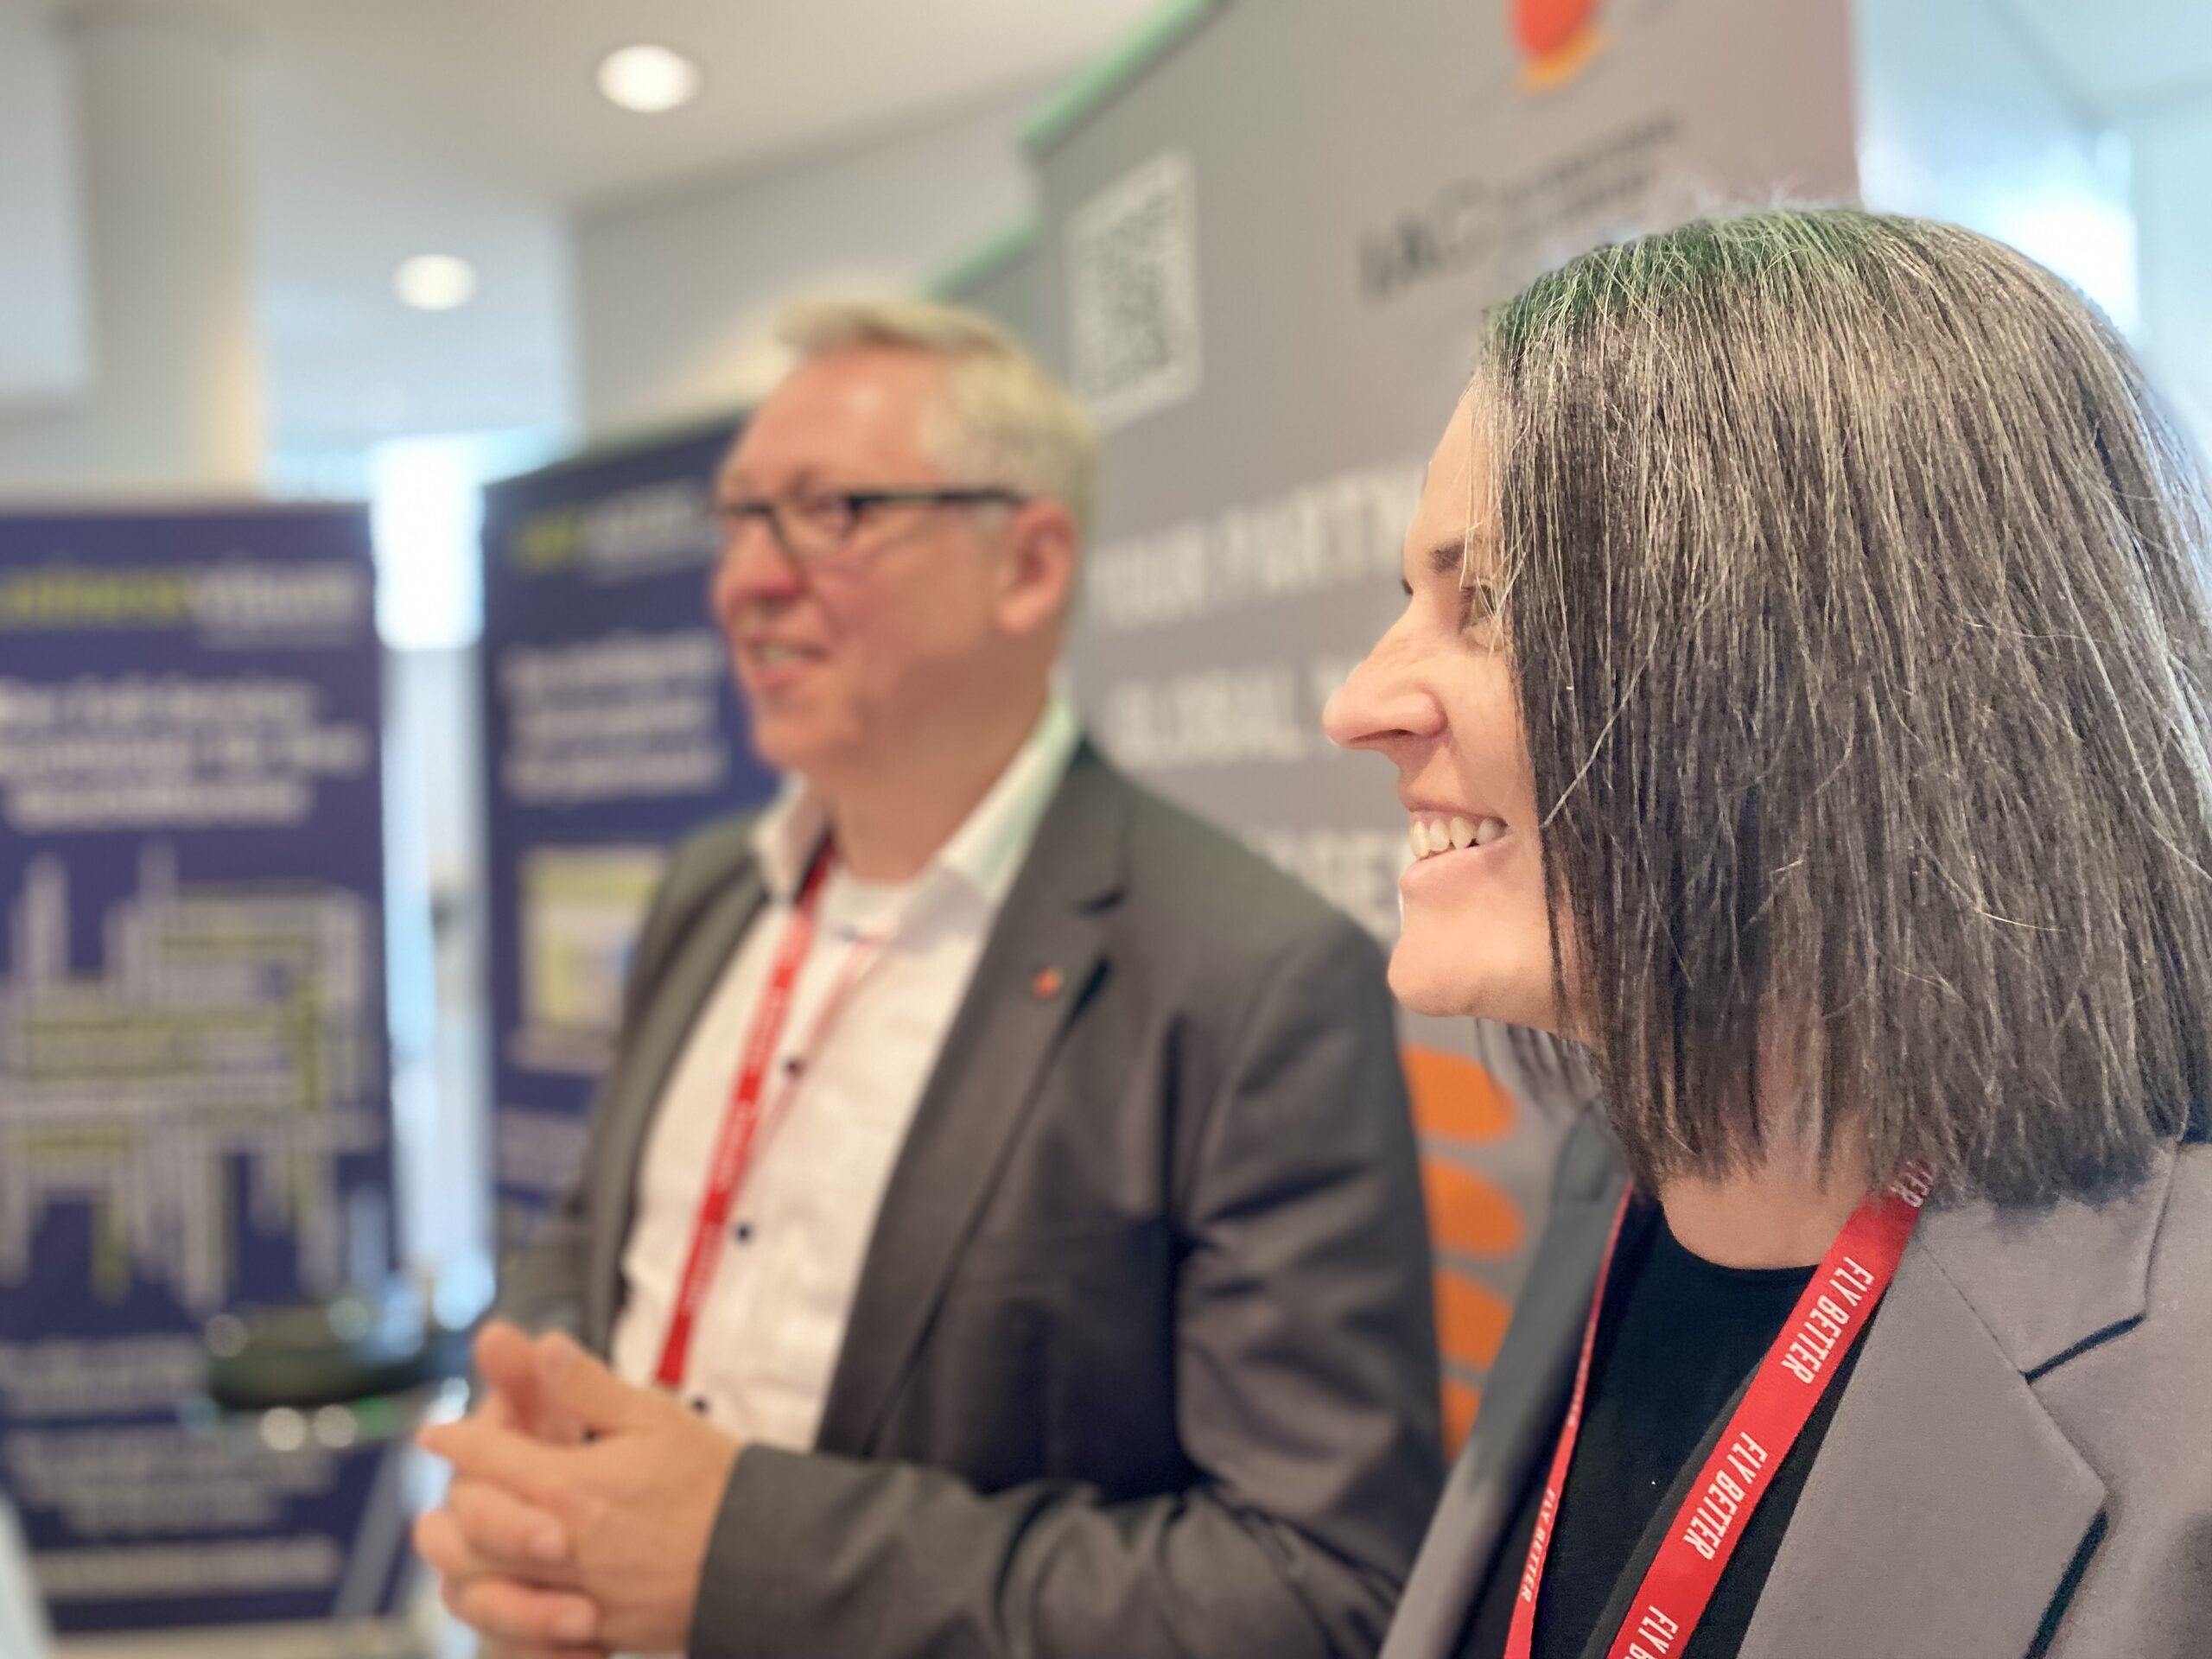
742 1121
1797 1371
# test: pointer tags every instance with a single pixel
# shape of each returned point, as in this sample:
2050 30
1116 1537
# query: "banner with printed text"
1262 261
193 1114
612 729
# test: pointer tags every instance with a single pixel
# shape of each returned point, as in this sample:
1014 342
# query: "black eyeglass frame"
856 504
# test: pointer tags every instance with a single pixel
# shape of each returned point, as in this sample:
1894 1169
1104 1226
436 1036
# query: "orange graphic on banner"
1457 1107
1461 1401
1471 1319
1468 1215
1559 37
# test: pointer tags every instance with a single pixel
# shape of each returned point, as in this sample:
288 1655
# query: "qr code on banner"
1133 292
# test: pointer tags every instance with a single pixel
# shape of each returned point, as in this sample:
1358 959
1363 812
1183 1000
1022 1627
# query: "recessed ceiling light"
434 282
650 80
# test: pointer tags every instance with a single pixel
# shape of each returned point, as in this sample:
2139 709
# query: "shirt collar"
984 854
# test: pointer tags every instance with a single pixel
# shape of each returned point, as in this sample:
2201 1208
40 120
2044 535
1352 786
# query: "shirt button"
743 1232
794 1065
699 1404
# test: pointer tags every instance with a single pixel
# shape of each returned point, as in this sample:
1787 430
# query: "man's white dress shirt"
767 1338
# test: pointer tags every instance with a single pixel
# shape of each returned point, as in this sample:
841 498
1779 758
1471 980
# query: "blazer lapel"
1042 958
1947 1510
1526 1394
667 1020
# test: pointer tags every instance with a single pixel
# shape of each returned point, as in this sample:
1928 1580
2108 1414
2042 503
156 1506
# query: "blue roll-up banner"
194 1112
612 728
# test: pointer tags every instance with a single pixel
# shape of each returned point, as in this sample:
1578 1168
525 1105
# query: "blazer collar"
1076 865
1523 1400
2051 1281
1948 1510
1045 954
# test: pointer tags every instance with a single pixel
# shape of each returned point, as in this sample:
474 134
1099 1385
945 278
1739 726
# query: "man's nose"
753 569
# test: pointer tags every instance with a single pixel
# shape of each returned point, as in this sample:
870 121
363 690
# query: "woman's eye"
1479 602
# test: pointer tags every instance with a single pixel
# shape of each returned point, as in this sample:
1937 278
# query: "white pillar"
175 402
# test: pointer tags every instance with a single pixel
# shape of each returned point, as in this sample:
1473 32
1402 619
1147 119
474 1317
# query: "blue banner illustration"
193 1110
613 728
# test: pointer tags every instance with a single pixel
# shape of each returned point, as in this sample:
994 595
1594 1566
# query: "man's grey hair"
1854 591
1003 419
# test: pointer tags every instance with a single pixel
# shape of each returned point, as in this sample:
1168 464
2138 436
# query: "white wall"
2066 138
42 345
1962 118
676 295
440 1008
2173 207
344 194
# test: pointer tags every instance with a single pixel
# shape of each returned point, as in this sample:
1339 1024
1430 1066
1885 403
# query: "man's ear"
1038 577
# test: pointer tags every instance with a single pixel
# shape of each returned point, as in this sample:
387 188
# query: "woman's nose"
1385 701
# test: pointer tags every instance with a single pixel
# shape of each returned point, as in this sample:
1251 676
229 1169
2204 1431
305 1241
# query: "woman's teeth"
1433 834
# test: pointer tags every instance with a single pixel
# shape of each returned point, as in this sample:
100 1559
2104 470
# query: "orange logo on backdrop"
1559 36
1457 1107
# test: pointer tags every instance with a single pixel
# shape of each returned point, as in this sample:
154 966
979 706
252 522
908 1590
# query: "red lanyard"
741 1123
1836 1305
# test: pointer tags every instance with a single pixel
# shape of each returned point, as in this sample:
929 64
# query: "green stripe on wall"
1100 83
983 261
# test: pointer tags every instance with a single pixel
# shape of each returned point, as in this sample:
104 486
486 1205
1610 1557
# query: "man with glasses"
1000 1233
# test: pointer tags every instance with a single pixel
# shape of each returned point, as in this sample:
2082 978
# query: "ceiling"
505 86
381 129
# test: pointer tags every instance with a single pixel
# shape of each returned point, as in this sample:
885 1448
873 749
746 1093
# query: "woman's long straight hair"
1857 606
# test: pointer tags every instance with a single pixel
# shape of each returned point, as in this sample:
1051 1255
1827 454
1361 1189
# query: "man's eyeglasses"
811 527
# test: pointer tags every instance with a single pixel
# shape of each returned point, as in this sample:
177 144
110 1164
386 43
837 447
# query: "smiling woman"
1888 768
1801 703
1437 696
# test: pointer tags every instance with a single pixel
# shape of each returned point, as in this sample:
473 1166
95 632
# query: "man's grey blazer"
2020 1466
1141 1361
